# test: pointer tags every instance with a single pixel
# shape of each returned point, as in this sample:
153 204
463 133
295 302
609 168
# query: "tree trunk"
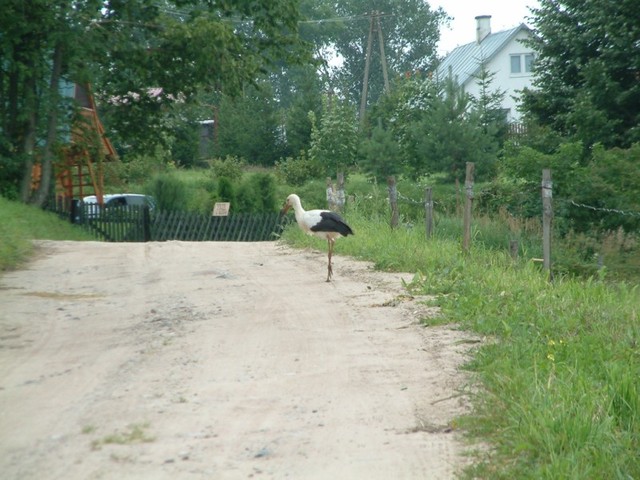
28 146
23 100
393 200
28 150
52 125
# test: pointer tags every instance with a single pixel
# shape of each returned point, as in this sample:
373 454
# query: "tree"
36 44
193 47
380 154
127 48
334 138
587 83
304 95
439 127
410 29
445 138
488 106
249 126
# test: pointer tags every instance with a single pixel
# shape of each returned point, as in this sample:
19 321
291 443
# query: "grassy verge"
19 224
558 389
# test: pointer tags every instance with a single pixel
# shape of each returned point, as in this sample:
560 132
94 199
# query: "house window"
528 62
522 63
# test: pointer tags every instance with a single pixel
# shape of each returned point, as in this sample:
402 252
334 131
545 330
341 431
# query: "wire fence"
604 209
616 211
615 238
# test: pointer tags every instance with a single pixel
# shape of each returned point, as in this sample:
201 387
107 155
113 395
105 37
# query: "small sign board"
221 209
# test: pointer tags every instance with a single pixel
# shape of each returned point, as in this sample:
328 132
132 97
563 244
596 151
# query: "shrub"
169 192
265 185
257 194
610 182
136 169
226 191
11 168
297 171
230 167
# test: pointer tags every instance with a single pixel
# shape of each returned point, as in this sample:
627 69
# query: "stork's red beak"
285 208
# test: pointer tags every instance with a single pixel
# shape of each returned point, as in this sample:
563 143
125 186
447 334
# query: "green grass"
134 434
558 379
20 224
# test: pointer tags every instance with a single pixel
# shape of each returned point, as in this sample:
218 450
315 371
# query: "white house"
502 53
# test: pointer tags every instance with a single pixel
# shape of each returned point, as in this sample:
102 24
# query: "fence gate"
133 223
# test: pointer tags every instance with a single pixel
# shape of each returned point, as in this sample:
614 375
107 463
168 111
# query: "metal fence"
134 223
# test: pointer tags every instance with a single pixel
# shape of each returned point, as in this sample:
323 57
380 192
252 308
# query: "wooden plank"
547 216
468 186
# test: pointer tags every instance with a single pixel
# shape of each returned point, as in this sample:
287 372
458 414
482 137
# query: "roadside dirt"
183 360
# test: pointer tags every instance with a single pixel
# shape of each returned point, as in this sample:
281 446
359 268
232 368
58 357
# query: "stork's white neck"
296 204
298 211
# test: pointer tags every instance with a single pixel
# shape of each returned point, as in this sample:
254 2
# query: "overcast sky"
505 14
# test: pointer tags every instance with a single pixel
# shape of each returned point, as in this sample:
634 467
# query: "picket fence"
140 224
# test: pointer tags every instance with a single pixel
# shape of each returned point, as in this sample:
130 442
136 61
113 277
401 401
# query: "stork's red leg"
329 269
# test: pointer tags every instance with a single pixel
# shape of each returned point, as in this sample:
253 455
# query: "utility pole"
374 24
383 58
367 63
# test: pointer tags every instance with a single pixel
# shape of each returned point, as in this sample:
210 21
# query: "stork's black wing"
332 222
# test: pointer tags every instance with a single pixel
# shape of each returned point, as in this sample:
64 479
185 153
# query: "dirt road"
186 360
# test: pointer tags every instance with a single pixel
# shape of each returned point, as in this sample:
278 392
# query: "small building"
502 53
206 137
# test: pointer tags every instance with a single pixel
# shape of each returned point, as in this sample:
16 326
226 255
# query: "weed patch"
136 433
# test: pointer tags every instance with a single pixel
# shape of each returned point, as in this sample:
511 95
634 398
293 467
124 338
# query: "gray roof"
465 60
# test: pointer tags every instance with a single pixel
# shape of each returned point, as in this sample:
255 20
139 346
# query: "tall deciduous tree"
587 82
410 32
124 48
249 127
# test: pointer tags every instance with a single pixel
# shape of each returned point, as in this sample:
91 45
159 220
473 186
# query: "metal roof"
465 60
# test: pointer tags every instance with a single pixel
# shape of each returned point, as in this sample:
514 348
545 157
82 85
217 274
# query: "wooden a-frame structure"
79 170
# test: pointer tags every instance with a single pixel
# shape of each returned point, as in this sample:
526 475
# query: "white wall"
500 65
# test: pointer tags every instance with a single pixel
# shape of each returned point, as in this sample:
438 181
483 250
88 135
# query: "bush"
297 171
257 194
230 167
226 191
136 169
265 185
610 182
11 168
169 192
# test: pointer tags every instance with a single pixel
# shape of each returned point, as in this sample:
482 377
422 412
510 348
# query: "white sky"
505 14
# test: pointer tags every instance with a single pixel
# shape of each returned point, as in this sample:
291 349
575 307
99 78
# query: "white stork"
321 223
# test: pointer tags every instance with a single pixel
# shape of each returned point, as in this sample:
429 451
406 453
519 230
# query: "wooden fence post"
547 215
340 193
468 187
331 197
513 249
428 211
146 223
74 211
393 200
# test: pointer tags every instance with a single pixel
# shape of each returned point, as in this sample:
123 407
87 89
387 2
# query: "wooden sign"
221 209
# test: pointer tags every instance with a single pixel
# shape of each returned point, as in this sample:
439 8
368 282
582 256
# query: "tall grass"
19 224
558 379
